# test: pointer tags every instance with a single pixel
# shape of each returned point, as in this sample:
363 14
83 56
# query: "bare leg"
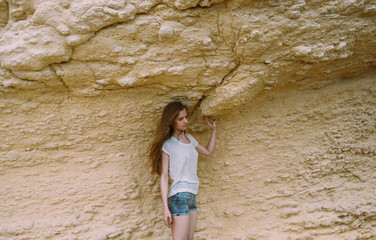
180 227
192 224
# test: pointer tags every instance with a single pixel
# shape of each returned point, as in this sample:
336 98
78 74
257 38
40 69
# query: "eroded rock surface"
291 84
181 45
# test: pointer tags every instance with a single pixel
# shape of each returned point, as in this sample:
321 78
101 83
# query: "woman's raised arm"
209 149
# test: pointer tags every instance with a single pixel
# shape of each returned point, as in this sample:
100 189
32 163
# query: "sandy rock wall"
226 53
292 165
291 84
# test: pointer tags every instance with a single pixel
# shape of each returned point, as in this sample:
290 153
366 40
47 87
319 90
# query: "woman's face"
181 121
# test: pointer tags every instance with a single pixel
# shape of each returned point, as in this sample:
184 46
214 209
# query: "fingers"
211 124
168 221
207 120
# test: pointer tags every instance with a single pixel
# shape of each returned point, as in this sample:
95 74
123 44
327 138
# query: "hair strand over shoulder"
163 132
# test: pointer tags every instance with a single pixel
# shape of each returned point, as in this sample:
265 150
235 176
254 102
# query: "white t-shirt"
183 165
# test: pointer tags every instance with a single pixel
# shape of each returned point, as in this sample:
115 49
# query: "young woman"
174 153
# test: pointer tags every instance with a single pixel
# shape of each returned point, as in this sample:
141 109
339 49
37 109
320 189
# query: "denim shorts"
182 203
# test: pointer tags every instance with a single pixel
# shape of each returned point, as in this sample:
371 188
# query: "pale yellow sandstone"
4 16
291 85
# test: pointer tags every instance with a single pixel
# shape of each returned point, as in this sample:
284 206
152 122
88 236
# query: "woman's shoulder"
189 136
192 139
169 140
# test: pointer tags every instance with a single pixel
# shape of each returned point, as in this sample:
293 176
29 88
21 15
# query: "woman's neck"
178 134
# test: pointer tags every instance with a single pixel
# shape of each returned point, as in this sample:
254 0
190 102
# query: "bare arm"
209 149
164 189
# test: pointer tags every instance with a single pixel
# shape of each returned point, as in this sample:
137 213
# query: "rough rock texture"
292 85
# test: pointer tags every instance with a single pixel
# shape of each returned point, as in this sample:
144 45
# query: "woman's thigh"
180 227
192 224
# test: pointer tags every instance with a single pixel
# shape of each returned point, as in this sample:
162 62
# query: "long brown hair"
163 132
